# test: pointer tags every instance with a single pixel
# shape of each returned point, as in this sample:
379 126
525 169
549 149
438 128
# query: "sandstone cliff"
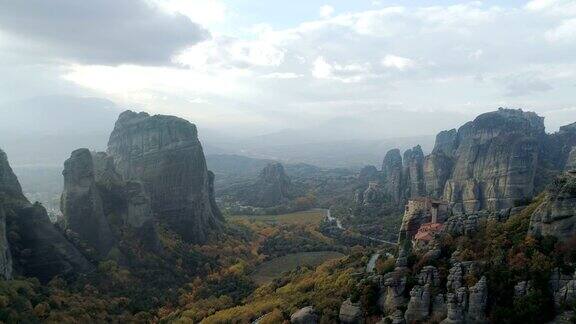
82 204
30 244
98 205
556 214
499 159
164 153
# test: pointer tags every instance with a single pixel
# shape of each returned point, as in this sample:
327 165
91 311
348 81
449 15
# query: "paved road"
339 225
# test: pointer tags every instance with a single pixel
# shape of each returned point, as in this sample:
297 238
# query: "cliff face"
392 172
30 244
82 204
495 160
414 172
492 162
5 255
98 204
164 153
556 215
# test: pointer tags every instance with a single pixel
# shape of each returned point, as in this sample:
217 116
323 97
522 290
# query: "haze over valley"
304 162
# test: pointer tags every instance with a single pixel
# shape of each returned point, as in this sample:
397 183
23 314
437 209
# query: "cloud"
524 84
100 31
553 7
349 73
281 75
204 12
565 32
326 11
231 52
253 73
398 62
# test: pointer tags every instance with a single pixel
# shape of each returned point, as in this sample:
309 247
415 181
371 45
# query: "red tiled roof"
426 231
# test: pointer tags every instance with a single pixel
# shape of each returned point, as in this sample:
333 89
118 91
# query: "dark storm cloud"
100 31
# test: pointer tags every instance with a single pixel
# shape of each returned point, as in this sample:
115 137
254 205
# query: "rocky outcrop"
30 244
306 315
271 189
392 172
571 162
41 251
10 189
82 204
438 165
414 172
566 294
495 160
96 199
419 305
477 302
351 313
556 215
164 153
5 255
368 173
395 287
456 304
373 196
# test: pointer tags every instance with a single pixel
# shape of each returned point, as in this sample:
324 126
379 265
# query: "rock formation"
477 302
306 315
41 251
414 172
497 160
373 196
164 153
351 313
94 193
35 247
271 188
392 172
5 255
368 173
419 305
556 215
82 204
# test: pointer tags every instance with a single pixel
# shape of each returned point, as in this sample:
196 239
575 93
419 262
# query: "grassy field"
274 268
314 216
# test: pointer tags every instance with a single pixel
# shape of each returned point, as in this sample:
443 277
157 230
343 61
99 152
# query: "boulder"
351 313
306 315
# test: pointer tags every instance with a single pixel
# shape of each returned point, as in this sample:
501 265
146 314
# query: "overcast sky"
252 67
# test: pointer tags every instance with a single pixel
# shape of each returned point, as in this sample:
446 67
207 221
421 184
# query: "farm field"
314 216
274 268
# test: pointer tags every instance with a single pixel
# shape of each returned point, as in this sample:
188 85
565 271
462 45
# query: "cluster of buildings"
424 217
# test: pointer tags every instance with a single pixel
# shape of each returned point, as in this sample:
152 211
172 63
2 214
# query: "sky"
380 68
